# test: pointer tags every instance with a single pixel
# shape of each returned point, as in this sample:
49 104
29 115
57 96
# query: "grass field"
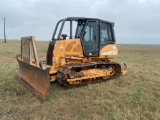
133 97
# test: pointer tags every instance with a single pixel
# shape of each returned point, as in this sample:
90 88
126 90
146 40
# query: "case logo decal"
110 53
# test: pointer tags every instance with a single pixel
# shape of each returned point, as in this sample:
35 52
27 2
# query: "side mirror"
64 36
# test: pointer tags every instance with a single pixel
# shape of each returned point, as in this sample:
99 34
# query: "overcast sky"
136 21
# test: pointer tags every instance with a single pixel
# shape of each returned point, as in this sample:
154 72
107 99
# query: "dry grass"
135 96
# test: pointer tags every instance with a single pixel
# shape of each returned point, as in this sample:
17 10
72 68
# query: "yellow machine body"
70 51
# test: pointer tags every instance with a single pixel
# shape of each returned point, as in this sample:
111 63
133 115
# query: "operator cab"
93 33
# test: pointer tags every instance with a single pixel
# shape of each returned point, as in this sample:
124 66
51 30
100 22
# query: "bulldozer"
81 57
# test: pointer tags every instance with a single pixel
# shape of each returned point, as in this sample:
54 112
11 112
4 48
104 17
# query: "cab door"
90 39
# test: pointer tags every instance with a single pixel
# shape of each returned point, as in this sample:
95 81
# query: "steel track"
62 73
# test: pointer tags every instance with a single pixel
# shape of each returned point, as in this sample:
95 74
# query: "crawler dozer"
81 57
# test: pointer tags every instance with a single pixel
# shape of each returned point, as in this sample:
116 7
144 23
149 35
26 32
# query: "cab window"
105 33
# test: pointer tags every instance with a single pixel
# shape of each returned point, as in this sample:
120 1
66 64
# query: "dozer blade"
35 79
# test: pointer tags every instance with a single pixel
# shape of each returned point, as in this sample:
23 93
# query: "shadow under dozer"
31 75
